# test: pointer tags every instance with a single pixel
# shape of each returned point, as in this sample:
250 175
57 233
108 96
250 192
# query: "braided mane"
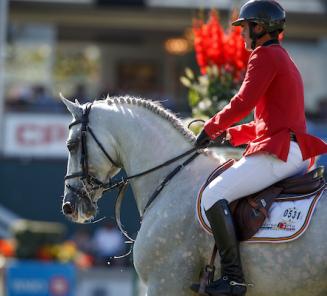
156 108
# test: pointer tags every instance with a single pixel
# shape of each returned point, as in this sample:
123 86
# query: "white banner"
36 135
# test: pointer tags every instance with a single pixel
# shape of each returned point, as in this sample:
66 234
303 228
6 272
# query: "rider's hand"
202 140
223 137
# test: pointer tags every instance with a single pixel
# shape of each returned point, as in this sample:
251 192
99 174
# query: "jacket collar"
271 42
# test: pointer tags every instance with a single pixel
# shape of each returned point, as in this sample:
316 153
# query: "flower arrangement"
222 59
66 251
43 241
63 252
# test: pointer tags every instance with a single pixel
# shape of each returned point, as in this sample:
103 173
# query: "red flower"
215 47
7 248
216 40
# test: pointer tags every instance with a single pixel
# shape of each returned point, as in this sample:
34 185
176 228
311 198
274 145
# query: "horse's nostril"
67 208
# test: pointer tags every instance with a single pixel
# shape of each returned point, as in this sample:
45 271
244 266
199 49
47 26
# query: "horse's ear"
74 108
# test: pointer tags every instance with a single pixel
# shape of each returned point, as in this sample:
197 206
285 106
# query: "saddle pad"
287 220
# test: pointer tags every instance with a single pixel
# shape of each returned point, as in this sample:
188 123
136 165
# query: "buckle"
209 270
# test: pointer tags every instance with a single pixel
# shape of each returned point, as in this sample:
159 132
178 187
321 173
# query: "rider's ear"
74 108
258 29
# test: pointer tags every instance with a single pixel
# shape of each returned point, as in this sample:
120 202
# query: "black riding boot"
231 282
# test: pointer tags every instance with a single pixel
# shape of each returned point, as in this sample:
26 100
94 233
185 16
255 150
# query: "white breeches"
251 174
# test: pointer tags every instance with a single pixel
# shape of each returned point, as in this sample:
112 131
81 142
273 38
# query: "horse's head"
92 162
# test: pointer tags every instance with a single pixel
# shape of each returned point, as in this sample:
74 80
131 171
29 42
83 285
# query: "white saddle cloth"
287 220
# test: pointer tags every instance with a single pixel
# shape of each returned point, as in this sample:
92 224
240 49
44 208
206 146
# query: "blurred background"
88 49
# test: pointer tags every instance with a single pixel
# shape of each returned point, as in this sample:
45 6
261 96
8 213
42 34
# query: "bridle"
84 175
92 183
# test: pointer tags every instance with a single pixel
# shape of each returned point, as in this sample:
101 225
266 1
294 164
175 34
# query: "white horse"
171 248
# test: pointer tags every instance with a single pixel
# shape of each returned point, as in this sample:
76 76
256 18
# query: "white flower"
215 71
205 104
189 73
204 80
186 82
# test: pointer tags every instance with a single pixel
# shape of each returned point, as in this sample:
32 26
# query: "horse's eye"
71 146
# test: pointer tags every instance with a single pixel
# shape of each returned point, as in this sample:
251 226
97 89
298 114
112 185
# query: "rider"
277 143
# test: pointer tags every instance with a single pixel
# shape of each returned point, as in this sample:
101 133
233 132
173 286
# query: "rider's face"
246 35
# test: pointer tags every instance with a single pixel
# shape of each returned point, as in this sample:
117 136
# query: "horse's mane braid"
156 108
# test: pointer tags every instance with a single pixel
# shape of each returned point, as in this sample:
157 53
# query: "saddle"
251 211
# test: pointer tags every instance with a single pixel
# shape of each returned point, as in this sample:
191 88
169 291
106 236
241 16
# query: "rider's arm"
260 73
241 134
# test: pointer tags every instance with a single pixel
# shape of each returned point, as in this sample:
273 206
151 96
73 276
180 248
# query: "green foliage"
208 93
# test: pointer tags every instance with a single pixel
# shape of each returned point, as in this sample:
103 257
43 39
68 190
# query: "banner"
36 135
34 278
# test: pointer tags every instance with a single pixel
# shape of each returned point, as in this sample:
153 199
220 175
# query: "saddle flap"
250 212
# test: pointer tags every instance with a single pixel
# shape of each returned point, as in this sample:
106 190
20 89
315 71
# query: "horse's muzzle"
78 207
69 204
67 208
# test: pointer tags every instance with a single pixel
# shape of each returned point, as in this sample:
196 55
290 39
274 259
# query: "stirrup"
206 279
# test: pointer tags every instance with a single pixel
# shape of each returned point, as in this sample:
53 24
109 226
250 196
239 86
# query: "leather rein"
94 183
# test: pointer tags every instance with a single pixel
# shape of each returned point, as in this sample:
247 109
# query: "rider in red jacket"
278 145
273 87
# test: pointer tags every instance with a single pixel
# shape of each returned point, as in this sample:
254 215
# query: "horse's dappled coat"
171 248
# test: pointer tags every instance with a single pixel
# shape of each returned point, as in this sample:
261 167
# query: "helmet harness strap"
255 36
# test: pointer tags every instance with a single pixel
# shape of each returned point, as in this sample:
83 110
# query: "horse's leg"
157 289
169 284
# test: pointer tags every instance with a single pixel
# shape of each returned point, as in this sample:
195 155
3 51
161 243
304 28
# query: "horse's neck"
144 141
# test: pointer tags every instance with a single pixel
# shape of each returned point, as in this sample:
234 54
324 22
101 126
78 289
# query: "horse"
171 248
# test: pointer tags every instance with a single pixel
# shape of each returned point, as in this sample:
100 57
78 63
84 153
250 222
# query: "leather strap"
208 273
122 185
168 178
119 200
256 206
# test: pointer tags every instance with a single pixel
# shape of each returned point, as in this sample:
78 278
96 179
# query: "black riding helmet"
267 13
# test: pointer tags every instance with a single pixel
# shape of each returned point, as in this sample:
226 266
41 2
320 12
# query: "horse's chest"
156 242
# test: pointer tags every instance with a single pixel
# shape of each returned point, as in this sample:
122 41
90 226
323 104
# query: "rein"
123 182
122 185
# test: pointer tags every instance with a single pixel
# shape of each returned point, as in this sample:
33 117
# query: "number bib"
287 220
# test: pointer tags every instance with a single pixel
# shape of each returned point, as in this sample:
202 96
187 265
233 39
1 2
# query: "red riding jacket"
273 87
